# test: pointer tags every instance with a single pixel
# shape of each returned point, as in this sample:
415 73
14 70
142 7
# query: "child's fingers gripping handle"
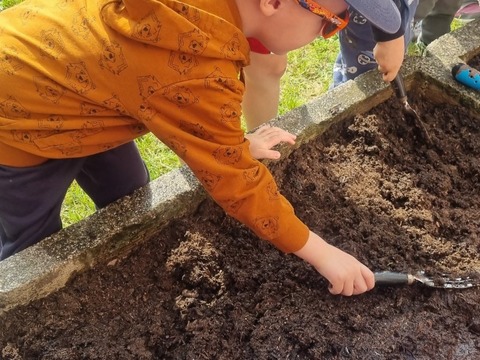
392 278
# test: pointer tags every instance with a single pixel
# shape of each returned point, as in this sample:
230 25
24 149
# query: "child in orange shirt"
364 45
80 79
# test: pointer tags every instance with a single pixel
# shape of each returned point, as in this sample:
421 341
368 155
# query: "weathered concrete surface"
111 232
457 47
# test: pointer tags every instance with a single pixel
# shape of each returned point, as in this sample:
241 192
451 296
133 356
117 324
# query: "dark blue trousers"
31 197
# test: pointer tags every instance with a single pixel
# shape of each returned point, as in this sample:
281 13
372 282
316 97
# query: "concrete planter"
113 231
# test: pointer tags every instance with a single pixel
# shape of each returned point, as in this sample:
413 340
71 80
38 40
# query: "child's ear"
269 7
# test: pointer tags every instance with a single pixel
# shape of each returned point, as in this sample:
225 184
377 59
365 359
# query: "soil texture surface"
206 288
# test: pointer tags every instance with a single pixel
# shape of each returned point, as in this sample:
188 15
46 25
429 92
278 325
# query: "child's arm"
390 49
389 56
346 274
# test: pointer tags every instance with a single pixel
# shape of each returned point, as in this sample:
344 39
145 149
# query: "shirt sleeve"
200 120
381 36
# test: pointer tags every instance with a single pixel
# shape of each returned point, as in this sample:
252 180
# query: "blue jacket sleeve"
381 36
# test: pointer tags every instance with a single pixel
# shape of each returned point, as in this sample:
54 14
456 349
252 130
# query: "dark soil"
206 288
475 62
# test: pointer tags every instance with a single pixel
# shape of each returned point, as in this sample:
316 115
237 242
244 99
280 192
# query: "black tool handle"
399 87
392 278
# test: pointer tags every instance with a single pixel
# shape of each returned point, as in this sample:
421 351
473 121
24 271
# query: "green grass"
8 3
309 73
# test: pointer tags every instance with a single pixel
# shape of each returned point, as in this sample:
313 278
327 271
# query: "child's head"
284 25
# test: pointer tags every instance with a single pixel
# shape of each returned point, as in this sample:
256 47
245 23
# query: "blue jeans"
357 43
31 197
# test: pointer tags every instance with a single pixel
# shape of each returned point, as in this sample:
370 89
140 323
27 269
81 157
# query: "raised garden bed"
206 288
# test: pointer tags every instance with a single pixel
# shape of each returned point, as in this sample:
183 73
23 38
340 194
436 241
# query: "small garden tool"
467 75
401 93
389 278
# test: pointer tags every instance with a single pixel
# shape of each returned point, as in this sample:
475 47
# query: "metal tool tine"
458 283
445 281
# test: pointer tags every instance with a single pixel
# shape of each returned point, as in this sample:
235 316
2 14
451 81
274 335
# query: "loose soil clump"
206 288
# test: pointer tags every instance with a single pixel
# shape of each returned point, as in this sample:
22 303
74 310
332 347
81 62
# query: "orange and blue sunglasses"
335 22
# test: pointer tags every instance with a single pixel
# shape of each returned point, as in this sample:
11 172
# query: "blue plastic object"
467 75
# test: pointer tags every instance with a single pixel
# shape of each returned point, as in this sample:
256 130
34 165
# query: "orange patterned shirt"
79 77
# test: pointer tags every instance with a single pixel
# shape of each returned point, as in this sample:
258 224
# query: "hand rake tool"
389 278
401 94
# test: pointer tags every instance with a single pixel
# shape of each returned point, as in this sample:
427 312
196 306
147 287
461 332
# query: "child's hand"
263 139
389 56
346 274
